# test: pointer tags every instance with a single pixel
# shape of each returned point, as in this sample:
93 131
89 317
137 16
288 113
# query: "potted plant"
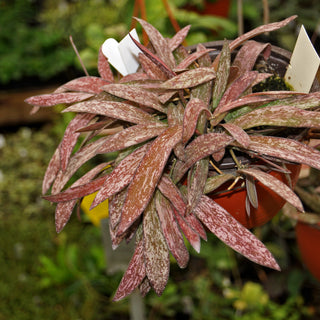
185 126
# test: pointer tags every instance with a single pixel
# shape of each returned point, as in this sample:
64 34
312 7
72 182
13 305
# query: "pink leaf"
51 99
52 171
171 231
155 250
104 67
178 38
237 133
147 176
151 69
231 232
115 207
85 84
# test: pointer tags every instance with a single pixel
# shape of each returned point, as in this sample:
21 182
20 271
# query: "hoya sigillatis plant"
171 124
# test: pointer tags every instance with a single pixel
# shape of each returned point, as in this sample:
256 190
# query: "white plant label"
123 55
303 65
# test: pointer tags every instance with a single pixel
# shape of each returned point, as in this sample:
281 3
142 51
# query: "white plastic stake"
123 55
303 65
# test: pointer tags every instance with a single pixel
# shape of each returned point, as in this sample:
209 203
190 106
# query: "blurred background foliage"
45 275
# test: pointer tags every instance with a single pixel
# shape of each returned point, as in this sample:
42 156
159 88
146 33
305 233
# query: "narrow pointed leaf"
191 114
237 133
171 231
190 78
151 69
190 59
215 182
147 176
155 250
275 185
115 208
159 43
285 116
51 171
121 176
251 192
131 136
116 110
178 38
86 84
303 101
135 94
135 273
52 99
232 233
104 67
144 287
286 149
71 136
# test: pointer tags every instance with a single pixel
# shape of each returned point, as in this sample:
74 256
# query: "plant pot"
308 239
216 8
234 201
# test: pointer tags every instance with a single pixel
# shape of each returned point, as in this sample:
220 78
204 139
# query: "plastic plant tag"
123 55
303 65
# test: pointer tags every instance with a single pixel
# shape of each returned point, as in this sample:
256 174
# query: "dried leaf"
116 110
147 176
178 38
285 116
135 94
171 230
275 185
190 78
155 250
104 67
52 99
234 234
191 114
237 133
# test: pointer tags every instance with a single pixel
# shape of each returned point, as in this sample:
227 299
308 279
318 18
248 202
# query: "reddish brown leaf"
135 273
134 77
71 136
85 84
234 234
131 136
151 69
190 78
121 176
135 94
275 185
147 176
104 67
237 133
171 231
115 207
155 250
196 225
215 182
52 171
191 114
116 110
178 38
51 99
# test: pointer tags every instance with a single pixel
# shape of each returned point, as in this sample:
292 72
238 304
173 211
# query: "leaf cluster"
172 124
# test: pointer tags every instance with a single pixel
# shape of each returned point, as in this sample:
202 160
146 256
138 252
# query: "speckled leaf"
252 196
121 176
115 207
135 273
190 78
286 149
159 43
51 99
196 225
155 250
184 64
71 136
215 182
116 110
144 287
147 176
275 185
237 133
191 235
136 77
52 171
131 136
200 148
64 209
303 101
234 234
179 37
171 230
191 114
104 67
85 84
172 193
286 116
223 71
151 69
135 94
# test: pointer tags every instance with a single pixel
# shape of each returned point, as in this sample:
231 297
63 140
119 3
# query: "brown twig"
78 55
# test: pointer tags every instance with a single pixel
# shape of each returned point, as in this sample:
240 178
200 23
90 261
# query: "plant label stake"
123 55
303 65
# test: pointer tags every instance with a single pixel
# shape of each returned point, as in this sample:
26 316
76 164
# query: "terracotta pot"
234 201
308 239
216 8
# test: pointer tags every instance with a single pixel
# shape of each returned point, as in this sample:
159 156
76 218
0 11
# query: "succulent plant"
171 124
